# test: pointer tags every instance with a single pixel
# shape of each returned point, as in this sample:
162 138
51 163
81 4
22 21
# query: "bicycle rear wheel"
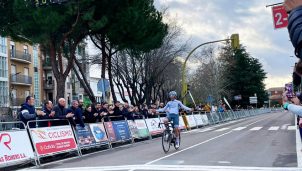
166 140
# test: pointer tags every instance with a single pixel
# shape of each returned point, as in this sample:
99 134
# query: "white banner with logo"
15 147
205 119
199 119
50 140
191 121
152 124
181 123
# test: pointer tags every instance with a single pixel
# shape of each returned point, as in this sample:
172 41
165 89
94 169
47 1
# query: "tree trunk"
60 87
111 78
85 86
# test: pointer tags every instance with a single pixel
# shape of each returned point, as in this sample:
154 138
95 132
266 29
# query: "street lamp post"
235 44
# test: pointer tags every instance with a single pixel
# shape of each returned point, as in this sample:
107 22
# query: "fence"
43 138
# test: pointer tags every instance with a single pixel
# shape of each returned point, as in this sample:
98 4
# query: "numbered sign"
279 17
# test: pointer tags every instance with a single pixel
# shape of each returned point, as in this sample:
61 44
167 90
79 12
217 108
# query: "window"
3 67
4 93
13 69
12 50
26 71
2 45
25 47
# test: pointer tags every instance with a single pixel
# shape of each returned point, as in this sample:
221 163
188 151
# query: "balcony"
47 64
49 85
18 79
17 101
20 56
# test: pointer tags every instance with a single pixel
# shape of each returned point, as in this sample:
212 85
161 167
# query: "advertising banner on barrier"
99 133
138 128
15 147
118 130
152 124
205 119
55 139
181 123
191 121
84 136
199 119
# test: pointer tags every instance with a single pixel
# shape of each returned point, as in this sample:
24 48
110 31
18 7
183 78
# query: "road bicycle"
169 137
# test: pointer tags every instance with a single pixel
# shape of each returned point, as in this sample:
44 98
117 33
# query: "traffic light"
188 87
235 41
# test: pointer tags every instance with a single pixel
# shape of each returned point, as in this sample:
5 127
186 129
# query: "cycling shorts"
174 118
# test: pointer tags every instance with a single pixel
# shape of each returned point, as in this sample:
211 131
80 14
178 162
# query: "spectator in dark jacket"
117 114
90 116
49 114
78 115
28 111
62 113
104 115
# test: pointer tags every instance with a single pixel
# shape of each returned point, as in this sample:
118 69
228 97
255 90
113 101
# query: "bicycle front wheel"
166 141
177 147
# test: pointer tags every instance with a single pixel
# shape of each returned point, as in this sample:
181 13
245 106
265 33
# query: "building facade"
275 96
4 81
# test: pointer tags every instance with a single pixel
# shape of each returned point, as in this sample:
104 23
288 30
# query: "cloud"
207 20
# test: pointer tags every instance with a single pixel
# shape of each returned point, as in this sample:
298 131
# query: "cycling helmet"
173 93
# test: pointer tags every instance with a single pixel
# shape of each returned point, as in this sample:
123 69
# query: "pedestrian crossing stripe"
221 129
256 128
239 128
273 128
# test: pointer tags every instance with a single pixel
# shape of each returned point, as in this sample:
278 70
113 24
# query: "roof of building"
276 89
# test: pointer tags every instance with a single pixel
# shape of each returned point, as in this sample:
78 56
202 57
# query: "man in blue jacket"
28 111
78 115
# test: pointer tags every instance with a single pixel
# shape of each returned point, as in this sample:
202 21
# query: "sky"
208 20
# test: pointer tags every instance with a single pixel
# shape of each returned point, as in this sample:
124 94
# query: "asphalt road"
264 142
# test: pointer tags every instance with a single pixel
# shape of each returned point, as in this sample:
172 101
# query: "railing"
49 84
21 79
20 55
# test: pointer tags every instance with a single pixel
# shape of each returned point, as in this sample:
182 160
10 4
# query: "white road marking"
298 147
257 128
273 128
291 127
172 167
224 162
239 128
221 129
207 129
284 127
208 140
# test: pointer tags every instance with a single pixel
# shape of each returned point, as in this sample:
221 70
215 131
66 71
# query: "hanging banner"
84 136
152 124
15 147
50 140
133 128
99 133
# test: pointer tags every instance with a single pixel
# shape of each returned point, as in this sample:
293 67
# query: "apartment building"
4 81
24 70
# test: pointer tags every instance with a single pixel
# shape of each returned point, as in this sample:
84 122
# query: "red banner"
55 146
279 17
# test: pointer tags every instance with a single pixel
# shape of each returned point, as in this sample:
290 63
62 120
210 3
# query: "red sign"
51 140
55 146
279 17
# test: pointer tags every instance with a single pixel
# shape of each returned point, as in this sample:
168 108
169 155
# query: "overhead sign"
50 140
103 85
15 147
253 100
280 17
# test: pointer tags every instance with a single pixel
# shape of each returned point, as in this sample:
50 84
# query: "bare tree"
145 75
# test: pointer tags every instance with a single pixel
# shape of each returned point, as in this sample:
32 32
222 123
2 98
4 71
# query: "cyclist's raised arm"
184 107
163 109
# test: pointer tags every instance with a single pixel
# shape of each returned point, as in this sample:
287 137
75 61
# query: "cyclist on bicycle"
172 110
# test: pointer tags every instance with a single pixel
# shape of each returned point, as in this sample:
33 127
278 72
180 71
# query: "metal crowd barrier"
56 136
